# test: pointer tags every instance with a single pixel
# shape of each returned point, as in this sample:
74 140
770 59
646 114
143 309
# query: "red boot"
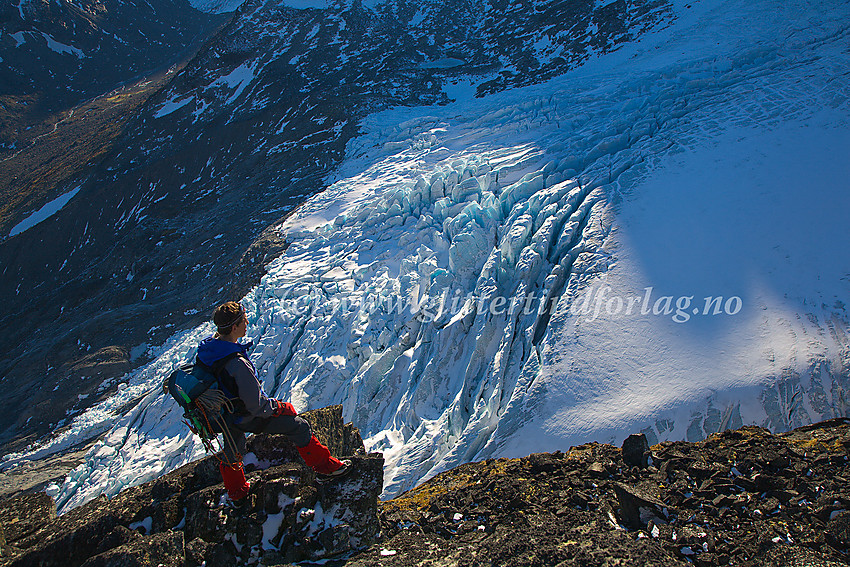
319 458
234 480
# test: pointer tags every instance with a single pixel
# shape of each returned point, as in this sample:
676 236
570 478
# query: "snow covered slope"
652 242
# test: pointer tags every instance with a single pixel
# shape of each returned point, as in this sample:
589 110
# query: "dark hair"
226 316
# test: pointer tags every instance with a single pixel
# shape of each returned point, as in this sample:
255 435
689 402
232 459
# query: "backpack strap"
225 380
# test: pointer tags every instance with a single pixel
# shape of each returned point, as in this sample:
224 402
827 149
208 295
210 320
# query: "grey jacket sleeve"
250 390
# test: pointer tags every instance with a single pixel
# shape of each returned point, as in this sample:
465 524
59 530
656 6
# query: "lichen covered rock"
745 497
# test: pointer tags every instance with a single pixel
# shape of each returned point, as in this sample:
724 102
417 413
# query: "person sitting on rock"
253 411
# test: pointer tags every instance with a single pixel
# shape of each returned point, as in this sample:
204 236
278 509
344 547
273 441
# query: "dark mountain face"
56 53
157 232
57 58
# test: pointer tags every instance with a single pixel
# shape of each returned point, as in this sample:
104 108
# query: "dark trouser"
297 429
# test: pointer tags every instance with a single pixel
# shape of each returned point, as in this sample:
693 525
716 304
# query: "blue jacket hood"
212 349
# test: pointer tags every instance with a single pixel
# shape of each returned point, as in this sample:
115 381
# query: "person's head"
230 319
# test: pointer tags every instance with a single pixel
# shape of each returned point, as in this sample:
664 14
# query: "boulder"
636 450
838 531
638 505
163 550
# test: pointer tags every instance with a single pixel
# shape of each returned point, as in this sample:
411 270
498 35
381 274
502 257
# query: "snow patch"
44 213
237 79
216 6
447 63
61 48
145 524
172 105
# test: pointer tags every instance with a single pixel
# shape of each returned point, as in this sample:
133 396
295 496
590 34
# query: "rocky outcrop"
185 519
744 497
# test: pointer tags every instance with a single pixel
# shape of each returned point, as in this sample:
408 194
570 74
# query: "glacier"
655 241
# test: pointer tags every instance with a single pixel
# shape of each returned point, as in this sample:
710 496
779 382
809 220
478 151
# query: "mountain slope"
445 288
58 54
72 75
741 497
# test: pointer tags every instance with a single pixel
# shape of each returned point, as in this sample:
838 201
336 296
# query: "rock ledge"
185 519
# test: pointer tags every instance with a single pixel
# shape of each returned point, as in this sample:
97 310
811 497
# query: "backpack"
190 385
